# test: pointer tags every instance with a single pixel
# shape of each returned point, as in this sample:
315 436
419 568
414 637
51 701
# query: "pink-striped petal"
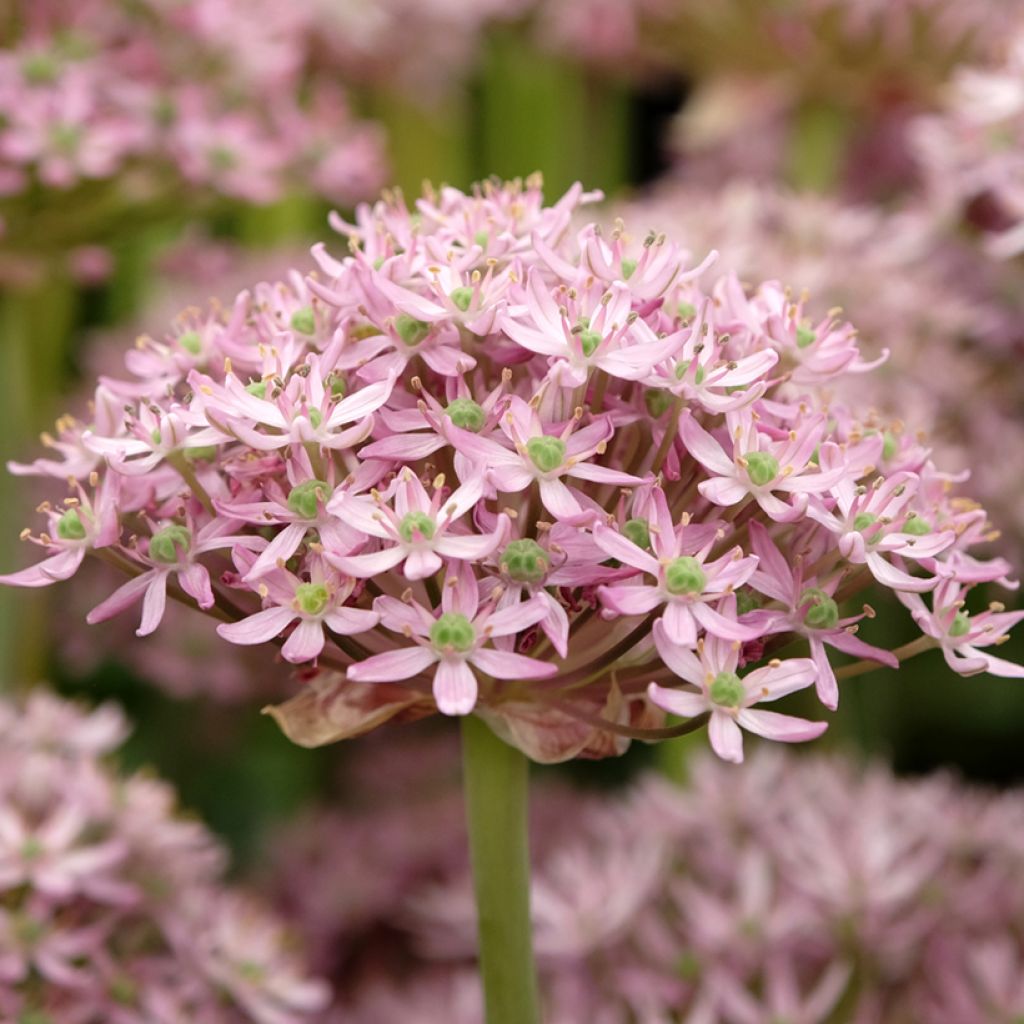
684 703
506 665
258 628
783 728
455 688
392 666
726 738
305 643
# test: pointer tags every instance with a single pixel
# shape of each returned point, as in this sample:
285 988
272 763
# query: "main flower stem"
495 780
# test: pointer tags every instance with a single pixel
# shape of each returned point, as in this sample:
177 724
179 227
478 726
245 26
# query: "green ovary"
589 342
465 413
411 330
823 612
727 690
639 532
454 632
525 561
961 625
805 336
657 401
166 546
70 527
762 468
917 527
863 520
304 321
191 342
304 498
416 526
462 297
685 576
311 598
546 453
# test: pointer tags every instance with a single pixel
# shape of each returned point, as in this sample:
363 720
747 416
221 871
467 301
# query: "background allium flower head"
115 107
495 461
800 889
112 905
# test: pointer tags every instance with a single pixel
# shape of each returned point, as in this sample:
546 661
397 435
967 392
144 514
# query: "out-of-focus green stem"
819 138
496 780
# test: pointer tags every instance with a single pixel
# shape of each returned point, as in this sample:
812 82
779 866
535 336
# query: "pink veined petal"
420 563
365 401
679 624
558 499
347 621
61 566
677 702
889 576
464 596
703 447
781 511
447 360
282 547
726 738
850 644
470 546
392 666
772 682
195 581
679 658
783 728
612 543
721 625
258 628
723 490
602 474
153 604
627 600
124 597
305 643
397 615
455 688
556 625
365 566
403 447
516 617
997 666
506 665
827 685
773 576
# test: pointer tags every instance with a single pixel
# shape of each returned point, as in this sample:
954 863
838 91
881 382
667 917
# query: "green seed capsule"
169 545
727 690
453 631
70 527
411 330
416 526
465 413
191 342
639 532
304 321
685 576
546 453
311 598
762 468
462 297
823 612
525 561
304 499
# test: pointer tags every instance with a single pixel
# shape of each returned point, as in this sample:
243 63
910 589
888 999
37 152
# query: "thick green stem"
495 779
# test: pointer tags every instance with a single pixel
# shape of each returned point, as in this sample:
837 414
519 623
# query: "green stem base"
496 780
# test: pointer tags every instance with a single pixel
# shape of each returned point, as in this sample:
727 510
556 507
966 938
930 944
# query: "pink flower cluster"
971 152
112 907
948 318
222 94
493 461
804 890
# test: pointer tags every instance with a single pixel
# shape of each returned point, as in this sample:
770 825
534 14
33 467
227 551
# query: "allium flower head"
112 906
492 461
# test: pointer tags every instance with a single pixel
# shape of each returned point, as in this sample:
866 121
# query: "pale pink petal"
703 447
347 621
726 738
558 499
366 566
626 600
392 666
612 543
784 728
515 618
420 564
124 597
679 623
258 628
723 490
153 604
721 625
506 665
680 659
455 688
678 702
61 566
305 643
774 681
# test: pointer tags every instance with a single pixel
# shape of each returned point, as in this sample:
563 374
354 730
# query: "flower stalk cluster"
494 461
